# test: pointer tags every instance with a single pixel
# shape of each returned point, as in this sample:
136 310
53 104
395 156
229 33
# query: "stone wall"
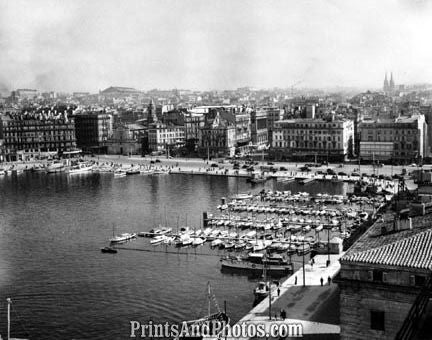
358 299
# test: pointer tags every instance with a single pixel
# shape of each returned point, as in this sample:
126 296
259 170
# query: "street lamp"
304 274
328 247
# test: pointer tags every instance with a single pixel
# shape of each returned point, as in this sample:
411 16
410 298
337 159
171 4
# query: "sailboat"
210 320
122 237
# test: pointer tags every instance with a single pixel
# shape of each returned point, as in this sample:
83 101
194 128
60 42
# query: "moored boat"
285 179
213 324
80 168
307 180
255 262
109 250
122 237
119 173
55 167
198 241
133 171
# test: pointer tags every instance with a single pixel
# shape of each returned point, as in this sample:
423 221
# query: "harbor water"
52 228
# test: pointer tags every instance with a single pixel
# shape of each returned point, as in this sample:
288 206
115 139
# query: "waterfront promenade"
200 166
313 305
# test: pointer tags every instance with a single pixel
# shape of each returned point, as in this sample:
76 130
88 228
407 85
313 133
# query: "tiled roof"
413 251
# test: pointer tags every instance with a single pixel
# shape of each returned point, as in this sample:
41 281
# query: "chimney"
403 221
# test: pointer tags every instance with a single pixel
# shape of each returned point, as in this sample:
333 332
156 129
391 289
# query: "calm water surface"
53 226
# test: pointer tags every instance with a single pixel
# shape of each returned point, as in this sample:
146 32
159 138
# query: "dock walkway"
303 304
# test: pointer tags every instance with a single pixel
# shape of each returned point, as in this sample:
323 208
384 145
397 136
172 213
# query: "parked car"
157 160
214 165
331 172
270 163
282 168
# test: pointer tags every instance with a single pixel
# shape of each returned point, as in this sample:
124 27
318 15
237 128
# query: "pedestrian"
295 280
283 314
278 291
322 281
329 280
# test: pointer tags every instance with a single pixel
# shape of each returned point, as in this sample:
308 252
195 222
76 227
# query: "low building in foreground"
385 279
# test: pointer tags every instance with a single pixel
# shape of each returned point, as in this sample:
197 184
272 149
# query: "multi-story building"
274 114
218 138
29 136
240 118
401 140
120 92
313 139
259 129
126 139
93 130
384 279
163 137
193 122
21 94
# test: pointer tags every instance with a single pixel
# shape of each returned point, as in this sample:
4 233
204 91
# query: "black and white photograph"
215 169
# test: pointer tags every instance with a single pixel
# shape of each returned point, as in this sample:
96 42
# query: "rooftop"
404 248
120 89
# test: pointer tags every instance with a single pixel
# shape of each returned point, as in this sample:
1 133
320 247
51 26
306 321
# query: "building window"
378 275
419 280
377 319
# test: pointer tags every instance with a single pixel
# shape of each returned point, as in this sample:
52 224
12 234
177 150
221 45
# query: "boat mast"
209 298
9 301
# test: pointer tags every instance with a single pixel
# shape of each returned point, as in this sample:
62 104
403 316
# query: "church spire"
392 84
151 112
386 83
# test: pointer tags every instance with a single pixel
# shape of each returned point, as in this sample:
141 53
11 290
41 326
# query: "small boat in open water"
109 250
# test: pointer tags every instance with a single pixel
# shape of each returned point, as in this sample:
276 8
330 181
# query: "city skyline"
73 46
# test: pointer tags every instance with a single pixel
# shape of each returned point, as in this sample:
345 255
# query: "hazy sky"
219 44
